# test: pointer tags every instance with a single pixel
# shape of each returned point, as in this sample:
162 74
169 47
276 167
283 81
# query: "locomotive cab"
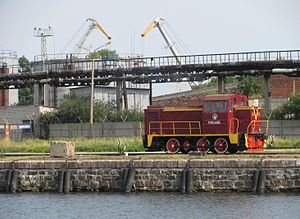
218 113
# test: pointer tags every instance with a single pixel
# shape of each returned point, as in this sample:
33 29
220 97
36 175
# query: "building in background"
137 97
8 65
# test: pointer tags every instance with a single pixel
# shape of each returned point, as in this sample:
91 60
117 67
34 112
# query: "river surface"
149 205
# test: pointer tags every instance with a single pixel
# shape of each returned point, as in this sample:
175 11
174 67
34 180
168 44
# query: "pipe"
14 181
183 181
189 181
8 180
130 179
254 181
67 177
124 180
261 182
60 186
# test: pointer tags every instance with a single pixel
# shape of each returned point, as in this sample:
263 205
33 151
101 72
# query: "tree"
214 82
290 110
250 86
25 64
103 112
73 109
25 94
104 53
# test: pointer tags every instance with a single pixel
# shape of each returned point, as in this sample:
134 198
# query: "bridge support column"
119 99
221 84
125 95
38 94
267 92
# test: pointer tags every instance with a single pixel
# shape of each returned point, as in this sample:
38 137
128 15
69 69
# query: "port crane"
159 22
93 24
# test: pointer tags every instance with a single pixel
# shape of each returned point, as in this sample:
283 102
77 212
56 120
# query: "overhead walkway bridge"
76 71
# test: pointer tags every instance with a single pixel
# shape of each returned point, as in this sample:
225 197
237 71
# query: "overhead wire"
178 39
73 37
182 45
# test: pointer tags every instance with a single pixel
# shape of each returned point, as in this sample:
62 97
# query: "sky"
204 26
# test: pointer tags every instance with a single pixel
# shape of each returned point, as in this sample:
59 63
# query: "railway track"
153 153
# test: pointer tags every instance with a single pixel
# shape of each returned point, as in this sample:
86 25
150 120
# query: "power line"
72 39
178 39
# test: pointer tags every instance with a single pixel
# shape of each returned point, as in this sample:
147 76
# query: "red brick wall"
4 93
282 86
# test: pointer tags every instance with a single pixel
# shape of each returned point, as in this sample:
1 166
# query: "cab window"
223 106
216 106
220 106
243 101
234 101
207 106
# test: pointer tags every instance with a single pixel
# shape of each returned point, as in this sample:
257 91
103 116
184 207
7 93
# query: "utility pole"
92 100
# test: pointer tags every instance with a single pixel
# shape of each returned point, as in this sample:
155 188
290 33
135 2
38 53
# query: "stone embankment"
194 175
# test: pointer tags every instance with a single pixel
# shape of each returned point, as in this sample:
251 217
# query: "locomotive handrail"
237 126
163 130
255 121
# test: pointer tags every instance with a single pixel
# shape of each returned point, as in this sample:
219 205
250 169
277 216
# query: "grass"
287 142
81 145
108 144
30 145
104 144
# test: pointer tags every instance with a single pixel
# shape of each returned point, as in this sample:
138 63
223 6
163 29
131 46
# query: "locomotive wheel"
186 146
221 145
201 143
172 145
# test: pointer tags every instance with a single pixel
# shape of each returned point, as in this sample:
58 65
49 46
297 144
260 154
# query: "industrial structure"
93 24
70 72
8 66
159 24
52 95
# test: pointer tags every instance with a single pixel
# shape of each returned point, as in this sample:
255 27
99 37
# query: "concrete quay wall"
192 175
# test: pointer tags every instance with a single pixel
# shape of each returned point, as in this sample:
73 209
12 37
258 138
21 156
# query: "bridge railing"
222 58
85 64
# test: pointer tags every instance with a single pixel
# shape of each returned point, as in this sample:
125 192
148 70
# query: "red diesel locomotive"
225 123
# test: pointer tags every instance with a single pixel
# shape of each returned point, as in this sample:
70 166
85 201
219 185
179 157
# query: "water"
149 205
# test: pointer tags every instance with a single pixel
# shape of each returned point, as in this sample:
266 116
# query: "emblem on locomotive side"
214 120
214 116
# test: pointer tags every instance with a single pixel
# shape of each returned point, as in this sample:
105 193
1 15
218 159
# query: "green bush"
290 110
75 109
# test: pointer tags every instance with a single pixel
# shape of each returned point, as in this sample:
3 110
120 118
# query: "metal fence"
107 129
280 128
285 128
